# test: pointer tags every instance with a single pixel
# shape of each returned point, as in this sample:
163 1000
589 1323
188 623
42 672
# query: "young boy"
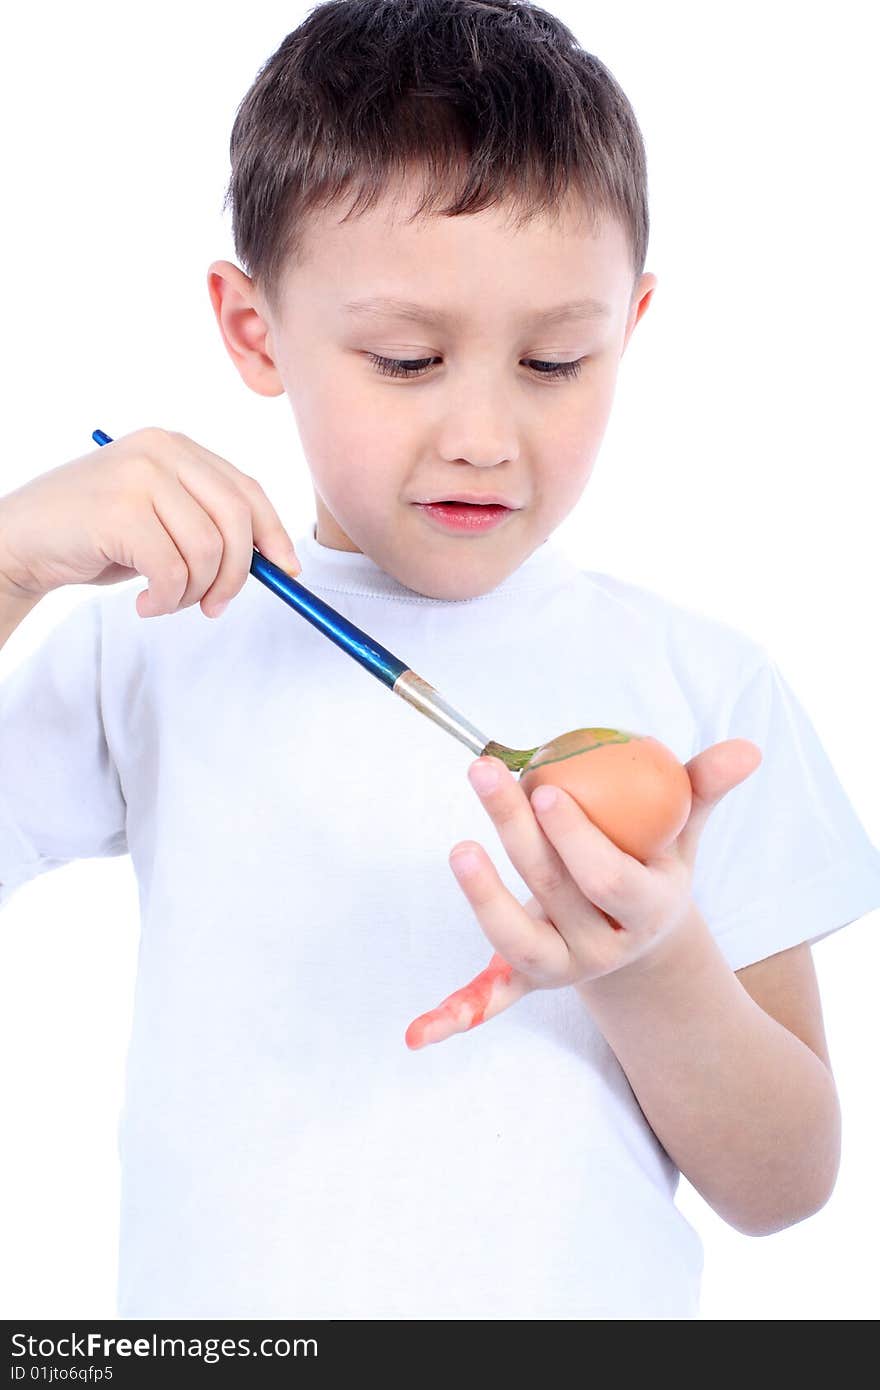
291 1144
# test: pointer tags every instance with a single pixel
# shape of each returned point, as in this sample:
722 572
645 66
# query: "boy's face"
479 419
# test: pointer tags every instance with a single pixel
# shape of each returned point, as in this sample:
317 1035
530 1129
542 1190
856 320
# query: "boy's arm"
12 612
745 1109
61 794
786 988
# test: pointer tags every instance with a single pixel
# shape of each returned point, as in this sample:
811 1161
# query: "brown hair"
494 99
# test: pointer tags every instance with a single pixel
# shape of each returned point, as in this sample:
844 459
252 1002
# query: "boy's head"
469 158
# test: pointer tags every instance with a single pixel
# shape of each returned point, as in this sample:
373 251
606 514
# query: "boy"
284 1153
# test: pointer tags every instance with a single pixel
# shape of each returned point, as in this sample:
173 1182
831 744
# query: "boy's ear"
642 296
244 331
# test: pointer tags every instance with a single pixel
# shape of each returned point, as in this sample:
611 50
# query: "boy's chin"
458 580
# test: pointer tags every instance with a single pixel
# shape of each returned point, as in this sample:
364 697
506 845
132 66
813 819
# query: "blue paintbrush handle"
371 655
381 663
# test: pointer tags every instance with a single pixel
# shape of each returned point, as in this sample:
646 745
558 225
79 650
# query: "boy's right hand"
153 503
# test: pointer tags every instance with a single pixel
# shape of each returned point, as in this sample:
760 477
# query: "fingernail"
218 609
466 862
543 798
483 776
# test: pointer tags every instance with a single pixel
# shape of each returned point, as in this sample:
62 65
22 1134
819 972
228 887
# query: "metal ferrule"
429 701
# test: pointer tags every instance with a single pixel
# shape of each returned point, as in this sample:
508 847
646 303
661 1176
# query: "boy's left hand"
595 908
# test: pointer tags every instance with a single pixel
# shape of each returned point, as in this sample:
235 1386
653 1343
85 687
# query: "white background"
738 475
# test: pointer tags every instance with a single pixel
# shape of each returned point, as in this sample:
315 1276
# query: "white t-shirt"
284 1154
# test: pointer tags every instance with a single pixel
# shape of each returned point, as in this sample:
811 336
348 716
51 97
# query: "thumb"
271 537
279 548
713 773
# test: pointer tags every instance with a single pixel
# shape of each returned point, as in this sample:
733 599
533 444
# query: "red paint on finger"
462 1010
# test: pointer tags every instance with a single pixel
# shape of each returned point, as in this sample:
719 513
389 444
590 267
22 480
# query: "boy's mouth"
477 499
475 506
454 515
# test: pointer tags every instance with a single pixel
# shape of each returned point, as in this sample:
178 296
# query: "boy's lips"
475 499
467 517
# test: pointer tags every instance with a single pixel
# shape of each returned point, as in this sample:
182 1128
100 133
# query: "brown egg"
630 785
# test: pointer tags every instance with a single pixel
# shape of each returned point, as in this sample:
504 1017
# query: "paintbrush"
376 659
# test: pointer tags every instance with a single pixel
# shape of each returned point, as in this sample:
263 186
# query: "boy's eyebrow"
378 306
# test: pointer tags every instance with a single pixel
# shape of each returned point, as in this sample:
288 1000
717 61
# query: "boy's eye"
394 366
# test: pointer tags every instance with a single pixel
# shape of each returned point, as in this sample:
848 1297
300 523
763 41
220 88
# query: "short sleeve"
783 858
60 794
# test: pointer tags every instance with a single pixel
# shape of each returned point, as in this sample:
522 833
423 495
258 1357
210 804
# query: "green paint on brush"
514 758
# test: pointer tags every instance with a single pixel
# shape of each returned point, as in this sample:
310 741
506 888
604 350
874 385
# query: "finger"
154 554
611 879
535 859
713 773
269 535
210 531
232 518
488 994
527 942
